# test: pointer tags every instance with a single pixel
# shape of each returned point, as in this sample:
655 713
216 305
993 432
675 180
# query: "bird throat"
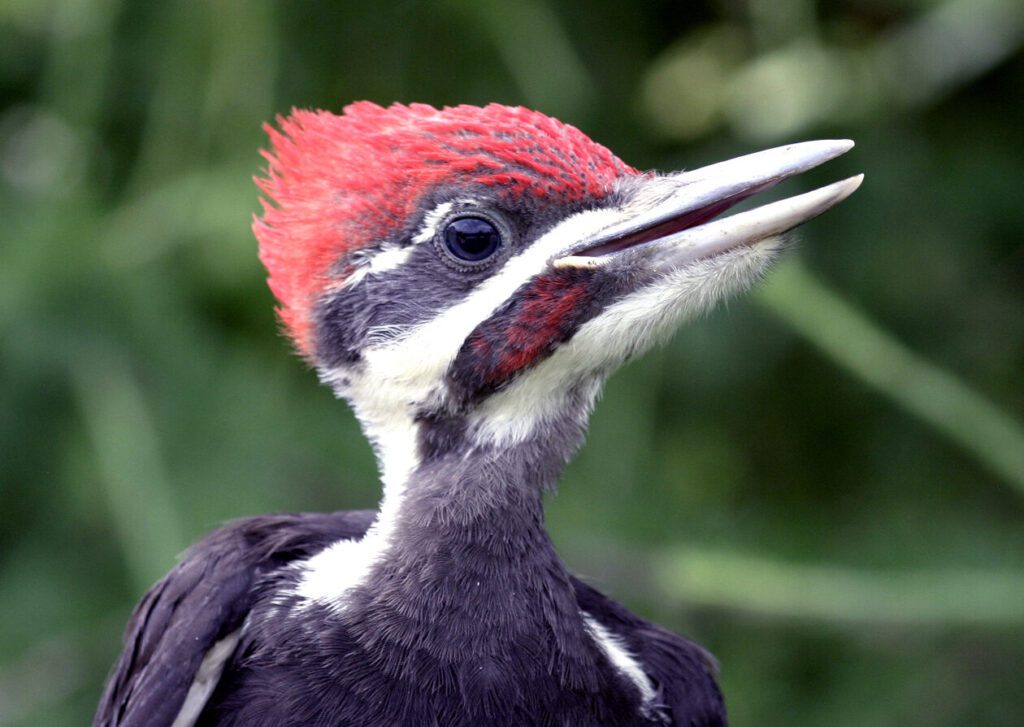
458 575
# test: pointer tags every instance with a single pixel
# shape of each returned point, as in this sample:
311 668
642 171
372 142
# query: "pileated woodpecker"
466 278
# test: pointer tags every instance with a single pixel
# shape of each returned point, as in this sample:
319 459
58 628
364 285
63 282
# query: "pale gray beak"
675 219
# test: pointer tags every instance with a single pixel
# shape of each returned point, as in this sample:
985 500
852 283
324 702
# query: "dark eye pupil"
472 238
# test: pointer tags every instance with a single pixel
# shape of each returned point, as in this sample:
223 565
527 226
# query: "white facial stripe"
412 366
388 257
618 654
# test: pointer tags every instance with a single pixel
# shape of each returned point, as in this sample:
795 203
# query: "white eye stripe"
387 257
431 221
390 256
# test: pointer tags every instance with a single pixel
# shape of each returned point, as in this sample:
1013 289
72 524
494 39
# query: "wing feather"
200 605
683 673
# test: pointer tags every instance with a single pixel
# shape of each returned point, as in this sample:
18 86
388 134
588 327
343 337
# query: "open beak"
679 224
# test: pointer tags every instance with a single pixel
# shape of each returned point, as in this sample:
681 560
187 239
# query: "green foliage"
844 531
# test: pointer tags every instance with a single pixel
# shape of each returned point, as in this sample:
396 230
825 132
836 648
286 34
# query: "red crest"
335 184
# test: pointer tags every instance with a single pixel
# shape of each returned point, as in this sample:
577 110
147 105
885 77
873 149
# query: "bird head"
490 267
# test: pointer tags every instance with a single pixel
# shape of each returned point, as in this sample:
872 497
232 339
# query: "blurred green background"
823 482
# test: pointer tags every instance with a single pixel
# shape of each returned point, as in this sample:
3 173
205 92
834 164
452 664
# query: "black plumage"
233 574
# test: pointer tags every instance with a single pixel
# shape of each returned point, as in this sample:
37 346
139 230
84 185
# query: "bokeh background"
823 482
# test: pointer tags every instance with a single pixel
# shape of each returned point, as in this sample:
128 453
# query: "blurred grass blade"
132 476
78 65
933 395
762 585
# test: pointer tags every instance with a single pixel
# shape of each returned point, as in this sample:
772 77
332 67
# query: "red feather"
335 184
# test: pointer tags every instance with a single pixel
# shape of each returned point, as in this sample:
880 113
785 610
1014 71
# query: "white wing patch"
618 654
206 679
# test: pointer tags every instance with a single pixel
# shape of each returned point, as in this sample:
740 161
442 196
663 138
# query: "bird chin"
657 308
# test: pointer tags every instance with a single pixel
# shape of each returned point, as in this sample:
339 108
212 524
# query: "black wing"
205 598
683 672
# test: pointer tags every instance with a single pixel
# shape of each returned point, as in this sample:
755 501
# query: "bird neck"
462 545
464 470
445 486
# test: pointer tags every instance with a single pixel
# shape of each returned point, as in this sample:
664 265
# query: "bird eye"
472 239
